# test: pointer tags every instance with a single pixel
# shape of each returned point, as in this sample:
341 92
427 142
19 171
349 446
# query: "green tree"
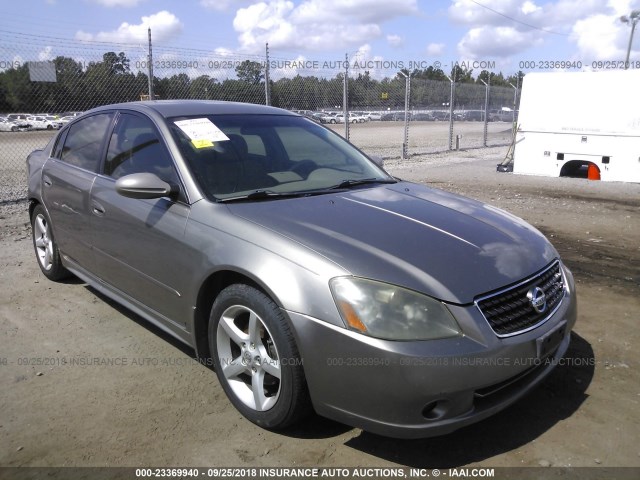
250 72
115 63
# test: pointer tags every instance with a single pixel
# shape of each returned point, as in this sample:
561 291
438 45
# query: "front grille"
510 311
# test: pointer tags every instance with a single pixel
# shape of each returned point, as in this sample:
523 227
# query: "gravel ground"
164 409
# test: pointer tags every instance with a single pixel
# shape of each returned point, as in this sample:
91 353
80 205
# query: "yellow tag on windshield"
202 143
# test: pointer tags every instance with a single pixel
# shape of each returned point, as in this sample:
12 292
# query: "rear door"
67 178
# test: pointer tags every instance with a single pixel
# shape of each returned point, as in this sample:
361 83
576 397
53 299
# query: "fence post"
514 127
452 96
150 62
515 97
407 97
486 109
267 92
345 96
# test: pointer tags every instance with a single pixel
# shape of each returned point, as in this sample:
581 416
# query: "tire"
49 127
249 338
45 247
14 129
332 121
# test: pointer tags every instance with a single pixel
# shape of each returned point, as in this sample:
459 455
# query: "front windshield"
278 154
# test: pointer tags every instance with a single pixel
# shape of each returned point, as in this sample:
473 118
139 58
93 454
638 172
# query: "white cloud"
435 49
164 26
529 7
315 25
363 61
118 3
222 5
223 52
604 36
488 41
592 25
45 54
395 40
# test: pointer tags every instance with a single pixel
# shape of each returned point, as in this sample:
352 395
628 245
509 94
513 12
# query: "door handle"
97 209
47 181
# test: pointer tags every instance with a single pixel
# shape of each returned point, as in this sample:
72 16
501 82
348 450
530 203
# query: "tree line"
81 87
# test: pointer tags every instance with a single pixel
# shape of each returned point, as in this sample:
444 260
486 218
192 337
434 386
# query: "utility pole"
633 19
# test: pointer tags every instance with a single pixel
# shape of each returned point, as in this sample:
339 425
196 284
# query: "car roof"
177 108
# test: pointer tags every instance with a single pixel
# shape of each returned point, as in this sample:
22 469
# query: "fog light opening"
435 410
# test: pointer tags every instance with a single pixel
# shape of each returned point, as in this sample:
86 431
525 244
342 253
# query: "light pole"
633 19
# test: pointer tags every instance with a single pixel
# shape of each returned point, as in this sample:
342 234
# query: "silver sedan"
309 277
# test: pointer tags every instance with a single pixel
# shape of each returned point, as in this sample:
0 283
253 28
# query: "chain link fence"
388 114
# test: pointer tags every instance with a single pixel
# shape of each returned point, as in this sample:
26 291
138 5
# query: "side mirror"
144 185
379 161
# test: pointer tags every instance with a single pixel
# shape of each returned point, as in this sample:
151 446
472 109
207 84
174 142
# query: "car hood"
450 247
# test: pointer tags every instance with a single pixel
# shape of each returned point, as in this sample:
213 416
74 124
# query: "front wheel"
256 358
45 246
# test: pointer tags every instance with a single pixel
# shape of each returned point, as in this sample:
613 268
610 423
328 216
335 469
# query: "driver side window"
135 147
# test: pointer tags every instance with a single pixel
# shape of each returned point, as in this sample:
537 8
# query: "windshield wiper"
270 194
362 181
260 195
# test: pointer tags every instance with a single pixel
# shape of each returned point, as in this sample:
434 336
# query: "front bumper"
427 388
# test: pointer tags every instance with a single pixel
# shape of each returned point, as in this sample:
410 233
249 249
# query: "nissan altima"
311 278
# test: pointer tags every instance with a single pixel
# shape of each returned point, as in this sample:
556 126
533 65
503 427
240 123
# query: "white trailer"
571 123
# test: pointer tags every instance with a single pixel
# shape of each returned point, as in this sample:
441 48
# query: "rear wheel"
256 358
45 246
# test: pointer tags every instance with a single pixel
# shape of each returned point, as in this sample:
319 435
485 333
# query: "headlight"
386 311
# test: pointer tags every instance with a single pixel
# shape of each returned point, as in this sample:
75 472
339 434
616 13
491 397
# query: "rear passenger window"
56 152
83 144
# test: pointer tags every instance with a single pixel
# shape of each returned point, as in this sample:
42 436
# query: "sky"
378 35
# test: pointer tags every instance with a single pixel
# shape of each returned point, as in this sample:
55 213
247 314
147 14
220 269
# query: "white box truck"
580 124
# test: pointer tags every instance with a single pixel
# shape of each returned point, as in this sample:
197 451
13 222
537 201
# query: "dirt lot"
164 409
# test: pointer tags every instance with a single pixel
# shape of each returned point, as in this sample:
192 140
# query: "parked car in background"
361 116
339 118
356 117
394 117
18 116
374 115
502 116
7 125
44 122
440 115
353 118
329 117
71 114
316 117
473 115
65 120
298 265
422 117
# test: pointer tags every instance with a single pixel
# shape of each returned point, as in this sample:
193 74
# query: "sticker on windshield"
201 131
